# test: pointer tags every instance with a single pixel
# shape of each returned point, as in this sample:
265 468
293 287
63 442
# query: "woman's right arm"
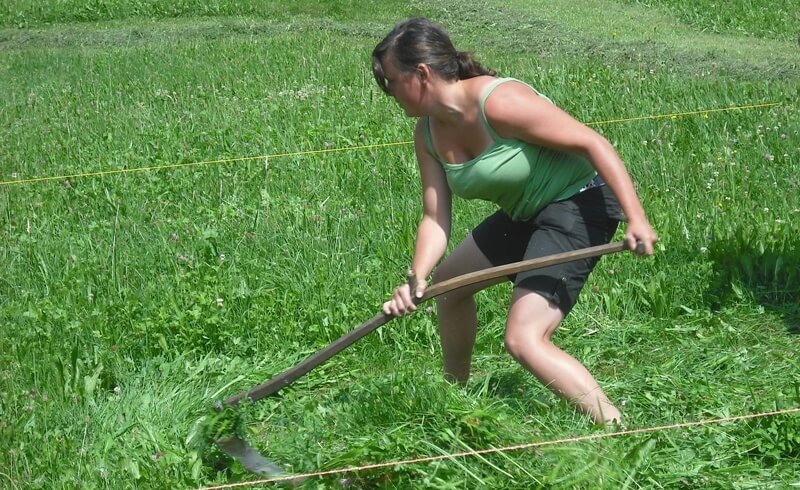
433 232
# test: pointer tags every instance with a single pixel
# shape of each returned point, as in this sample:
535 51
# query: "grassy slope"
634 26
113 282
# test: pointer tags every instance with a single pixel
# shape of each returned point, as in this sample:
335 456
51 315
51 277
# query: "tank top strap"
487 91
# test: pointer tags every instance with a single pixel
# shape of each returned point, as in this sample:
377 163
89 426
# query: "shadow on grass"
791 315
767 273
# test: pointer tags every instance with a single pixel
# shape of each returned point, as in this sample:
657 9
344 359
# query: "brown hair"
418 41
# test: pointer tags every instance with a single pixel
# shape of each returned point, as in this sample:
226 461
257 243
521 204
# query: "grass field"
195 196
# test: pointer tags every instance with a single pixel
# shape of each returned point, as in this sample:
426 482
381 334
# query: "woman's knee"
530 324
518 344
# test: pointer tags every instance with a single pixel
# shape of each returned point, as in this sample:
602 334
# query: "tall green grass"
130 302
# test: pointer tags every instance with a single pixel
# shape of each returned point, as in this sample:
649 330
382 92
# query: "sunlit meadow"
196 196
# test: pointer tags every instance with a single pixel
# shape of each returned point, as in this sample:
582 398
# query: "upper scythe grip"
287 377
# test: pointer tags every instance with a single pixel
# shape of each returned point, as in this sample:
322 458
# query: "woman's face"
404 86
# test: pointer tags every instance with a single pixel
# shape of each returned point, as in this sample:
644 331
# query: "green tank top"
520 177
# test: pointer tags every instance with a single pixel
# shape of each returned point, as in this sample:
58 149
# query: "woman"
482 137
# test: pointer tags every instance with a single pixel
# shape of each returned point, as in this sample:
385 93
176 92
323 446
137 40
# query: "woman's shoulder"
477 87
512 95
513 105
512 87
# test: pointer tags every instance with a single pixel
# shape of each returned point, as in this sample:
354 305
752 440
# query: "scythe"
253 461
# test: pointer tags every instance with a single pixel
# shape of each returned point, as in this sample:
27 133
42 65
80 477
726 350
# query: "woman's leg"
532 319
456 309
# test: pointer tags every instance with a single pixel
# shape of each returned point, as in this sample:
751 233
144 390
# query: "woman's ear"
423 72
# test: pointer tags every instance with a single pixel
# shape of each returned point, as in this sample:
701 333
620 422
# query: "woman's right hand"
402 302
640 237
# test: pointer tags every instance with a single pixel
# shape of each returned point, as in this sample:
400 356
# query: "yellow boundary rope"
350 148
531 445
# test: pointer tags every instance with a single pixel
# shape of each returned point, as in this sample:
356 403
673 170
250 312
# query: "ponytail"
469 68
418 41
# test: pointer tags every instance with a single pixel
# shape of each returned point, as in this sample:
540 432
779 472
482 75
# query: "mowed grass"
776 19
130 302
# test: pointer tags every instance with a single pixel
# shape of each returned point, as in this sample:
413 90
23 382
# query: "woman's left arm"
515 111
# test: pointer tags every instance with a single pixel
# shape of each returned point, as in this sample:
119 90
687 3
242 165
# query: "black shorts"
586 219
